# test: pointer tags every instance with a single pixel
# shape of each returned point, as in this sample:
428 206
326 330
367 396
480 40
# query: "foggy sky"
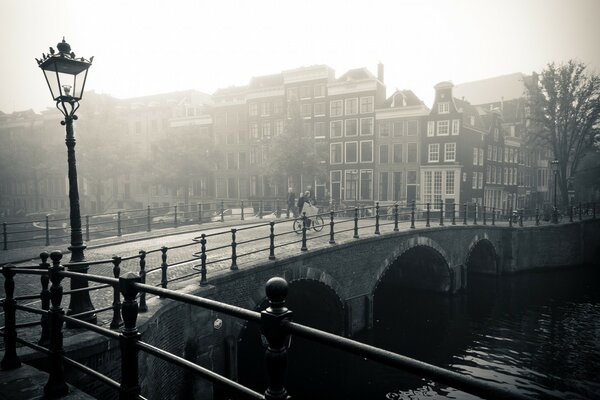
148 47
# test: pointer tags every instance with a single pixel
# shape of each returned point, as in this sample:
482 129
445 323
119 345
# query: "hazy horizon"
145 48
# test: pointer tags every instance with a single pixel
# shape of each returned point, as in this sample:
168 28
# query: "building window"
351 127
242 160
335 129
384 129
434 152
383 154
474 182
412 127
455 126
366 184
292 94
254 131
480 179
450 152
266 130
254 155
319 90
277 107
231 164
437 189
412 153
253 109
399 129
265 109
306 110
351 152
481 157
493 177
397 152
319 109
308 129
305 92
443 108
351 184
442 128
278 127
366 104
366 126
489 152
366 151
383 186
427 186
352 106
335 153
320 130
475 155
336 108
449 182
430 128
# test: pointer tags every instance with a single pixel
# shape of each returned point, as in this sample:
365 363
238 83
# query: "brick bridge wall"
352 270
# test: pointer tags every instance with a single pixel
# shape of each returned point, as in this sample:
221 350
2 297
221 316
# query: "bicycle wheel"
318 223
298 226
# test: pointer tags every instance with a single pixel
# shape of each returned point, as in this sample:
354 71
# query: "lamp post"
66 75
554 165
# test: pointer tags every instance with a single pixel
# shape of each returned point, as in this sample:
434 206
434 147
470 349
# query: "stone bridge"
333 289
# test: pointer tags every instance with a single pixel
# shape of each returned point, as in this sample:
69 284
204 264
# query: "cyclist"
305 198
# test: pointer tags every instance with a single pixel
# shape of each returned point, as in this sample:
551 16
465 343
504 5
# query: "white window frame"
346 127
475 155
253 109
341 147
389 131
446 152
321 114
323 136
372 120
481 151
368 103
430 128
309 115
416 121
444 107
331 130
370 160
455 127
360 173
447 181
349 108
474 181
443 123
331 108
430 152
346 144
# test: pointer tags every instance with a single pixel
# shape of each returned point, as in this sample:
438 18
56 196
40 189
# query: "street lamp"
554 165
66 75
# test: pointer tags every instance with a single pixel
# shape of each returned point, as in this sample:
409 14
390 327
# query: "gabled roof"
407 96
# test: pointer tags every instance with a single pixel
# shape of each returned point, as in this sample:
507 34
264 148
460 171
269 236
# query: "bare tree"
564 104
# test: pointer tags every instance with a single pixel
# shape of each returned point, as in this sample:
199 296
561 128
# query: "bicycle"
316 223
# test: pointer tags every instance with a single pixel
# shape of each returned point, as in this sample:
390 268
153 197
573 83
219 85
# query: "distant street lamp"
66 75
554 165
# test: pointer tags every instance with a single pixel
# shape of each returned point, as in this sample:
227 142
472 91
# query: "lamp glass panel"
78 84
52 83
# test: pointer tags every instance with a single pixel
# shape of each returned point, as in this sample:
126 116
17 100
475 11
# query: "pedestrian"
291 201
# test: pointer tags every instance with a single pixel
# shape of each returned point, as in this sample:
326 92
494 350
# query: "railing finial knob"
276 291
56 256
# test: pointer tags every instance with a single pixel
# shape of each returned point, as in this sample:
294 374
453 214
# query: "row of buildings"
468 147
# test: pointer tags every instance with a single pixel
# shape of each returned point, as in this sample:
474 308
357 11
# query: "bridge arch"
418 263
482 256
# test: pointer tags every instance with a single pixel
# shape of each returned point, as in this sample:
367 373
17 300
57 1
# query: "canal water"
536 333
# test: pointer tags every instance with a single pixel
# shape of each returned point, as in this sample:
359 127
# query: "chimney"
380 72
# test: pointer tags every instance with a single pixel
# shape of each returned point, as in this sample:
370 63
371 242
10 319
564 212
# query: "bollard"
484 220
242 210
222 211
47 232
331 223
537 216
453 213
272 241
475 215
303 248
163 267
130 388
143 305
87 228
116 320
4 236
203 260
396 217
441 213
412 214
277 338
377 218
234 266
56 385
427 216
175 215
355 223
11 359
148 220
45 300
493 215
465 210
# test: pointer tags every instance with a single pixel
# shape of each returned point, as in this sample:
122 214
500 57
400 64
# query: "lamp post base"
80 301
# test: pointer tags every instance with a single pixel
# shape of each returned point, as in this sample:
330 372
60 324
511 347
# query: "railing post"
143 305
118 223
47 231
222 211
395 217
412 214
272 241
377 218
510 221
484 220
163 267
56 385
571 212
493 215
234 266
441 212
10 359
427 216
277 338
242 210
116 320
475 215
453 213
331 224
4 236
148 220
199 213
87 228
465 210
175 216
130 388
203 260
537 216
355 223
303 248
45 300
521 218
